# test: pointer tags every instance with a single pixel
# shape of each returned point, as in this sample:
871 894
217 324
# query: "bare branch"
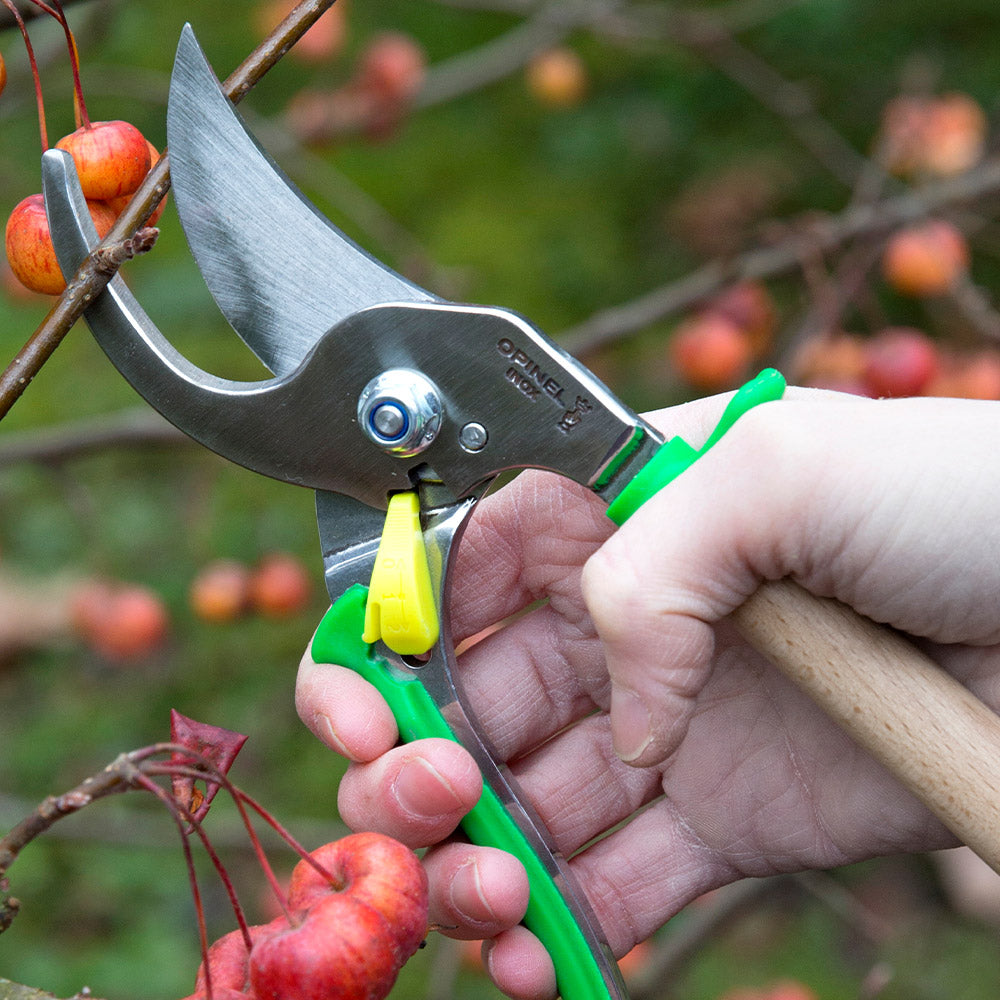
133 428
506 54
822 236
92 276
27 10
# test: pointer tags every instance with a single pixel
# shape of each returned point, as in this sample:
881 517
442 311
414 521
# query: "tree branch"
133 428
818 236
15 991
90 279
27 10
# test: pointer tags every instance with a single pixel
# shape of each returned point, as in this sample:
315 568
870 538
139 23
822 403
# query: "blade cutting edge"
281 272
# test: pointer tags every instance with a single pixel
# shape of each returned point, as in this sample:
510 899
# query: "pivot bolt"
400 411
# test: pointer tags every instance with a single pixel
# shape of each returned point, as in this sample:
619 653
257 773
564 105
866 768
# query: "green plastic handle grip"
676 455
338 640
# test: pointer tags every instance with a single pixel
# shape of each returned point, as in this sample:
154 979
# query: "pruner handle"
581 973
932 733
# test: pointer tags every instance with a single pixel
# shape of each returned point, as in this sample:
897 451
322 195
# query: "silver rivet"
473 437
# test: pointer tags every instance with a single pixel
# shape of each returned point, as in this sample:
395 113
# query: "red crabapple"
122 622
29 247
392 67
900 361
710 352
279 585
749 305
349 938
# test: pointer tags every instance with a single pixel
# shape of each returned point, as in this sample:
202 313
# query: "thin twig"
28 11
132 428
677 949
618 322
141 829
789 101
90 279
112 780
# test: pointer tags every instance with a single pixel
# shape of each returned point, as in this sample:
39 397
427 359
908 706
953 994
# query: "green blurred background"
490 197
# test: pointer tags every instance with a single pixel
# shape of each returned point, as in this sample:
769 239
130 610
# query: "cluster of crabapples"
717 347
926 261
112 159
226 589
920 137
356 911
126 622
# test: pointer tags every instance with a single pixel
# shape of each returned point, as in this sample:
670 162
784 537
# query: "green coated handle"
338 640
676 455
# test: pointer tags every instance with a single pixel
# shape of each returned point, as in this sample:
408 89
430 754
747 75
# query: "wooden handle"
936 737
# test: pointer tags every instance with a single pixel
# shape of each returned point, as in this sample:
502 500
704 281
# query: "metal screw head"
473 437
400 411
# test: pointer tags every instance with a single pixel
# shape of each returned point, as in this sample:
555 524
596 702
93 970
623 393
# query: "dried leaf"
213 744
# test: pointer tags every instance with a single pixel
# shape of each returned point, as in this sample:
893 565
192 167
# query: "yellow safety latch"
401 610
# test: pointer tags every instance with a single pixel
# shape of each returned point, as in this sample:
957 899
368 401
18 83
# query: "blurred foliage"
491 197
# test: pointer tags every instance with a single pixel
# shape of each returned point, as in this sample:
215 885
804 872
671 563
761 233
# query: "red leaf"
214 745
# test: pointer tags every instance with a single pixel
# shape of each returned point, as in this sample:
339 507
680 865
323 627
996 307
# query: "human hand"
884 505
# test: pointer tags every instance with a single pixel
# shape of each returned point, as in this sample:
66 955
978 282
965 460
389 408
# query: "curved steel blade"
281 272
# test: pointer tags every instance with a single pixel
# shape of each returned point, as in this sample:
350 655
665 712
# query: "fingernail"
487 953
630 724
466 889
324 725
422 791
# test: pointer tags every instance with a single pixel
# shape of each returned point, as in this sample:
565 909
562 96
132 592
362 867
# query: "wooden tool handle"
918 721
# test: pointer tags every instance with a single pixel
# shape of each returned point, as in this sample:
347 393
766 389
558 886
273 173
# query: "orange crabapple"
111 158
220 592
119 203
926 259
830 360
967 376
557 78
941 135
979 376
956 134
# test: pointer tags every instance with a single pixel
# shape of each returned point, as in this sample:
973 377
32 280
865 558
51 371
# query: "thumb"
687 558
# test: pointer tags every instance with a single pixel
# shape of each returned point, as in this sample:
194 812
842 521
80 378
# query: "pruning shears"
399 409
